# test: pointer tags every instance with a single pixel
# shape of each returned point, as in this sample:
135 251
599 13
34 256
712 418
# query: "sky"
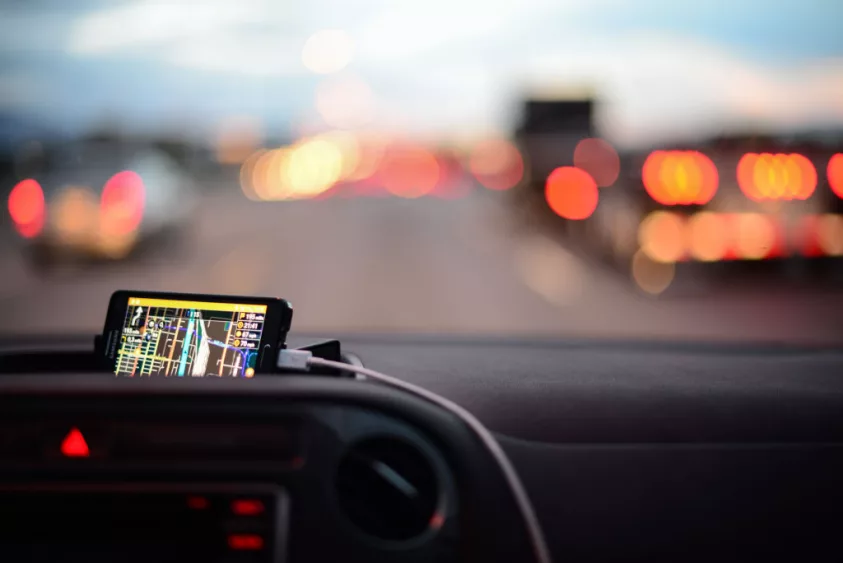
429 68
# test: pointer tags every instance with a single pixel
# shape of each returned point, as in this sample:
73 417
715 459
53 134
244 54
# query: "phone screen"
182 338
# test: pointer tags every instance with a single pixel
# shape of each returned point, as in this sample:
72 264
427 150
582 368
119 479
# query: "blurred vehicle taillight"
121 204
769 176
409 171
680 177
706 236
829 234
600 159
661 236
755 236
835 174
497 164
27 208
571 193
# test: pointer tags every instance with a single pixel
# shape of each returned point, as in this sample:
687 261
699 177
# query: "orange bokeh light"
755 236
829 234
497 164
27 208
409 172
680 177
247 174
571 193
668 237
652 276
267 175
662 236
599 159
708 236
767 176
835 174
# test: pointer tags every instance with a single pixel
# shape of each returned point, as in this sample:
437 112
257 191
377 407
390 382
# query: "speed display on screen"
173 338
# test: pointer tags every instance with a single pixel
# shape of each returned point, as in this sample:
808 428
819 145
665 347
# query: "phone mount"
329 350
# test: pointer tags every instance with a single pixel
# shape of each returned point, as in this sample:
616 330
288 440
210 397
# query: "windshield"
645 169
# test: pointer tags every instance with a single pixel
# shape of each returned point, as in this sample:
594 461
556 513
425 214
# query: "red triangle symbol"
74 444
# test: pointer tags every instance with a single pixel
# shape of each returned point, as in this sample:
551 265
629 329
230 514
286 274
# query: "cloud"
660 85
153 22
453 65
31 33
248 54
408 30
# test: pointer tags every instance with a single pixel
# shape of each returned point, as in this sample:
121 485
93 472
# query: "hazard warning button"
74 444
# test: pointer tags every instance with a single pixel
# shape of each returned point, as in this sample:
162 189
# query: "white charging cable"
301 360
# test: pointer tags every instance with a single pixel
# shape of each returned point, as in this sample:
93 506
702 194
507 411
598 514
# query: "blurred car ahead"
100 201
738 199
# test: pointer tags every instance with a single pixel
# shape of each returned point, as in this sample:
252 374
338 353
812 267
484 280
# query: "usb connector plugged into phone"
294 360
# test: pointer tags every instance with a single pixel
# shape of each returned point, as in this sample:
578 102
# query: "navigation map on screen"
189 338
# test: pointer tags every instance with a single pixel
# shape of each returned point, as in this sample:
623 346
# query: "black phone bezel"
279 314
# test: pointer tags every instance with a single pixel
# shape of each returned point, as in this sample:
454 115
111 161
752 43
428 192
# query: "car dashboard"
628 451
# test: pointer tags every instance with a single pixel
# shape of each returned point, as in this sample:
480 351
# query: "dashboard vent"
388 489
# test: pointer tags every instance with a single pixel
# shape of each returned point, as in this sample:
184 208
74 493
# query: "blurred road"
429 266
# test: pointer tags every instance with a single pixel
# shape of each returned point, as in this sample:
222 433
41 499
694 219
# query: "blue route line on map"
185 347
214 342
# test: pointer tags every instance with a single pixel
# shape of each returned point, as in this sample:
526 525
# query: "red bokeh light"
496 164
27 208
247 507
198 503
245 542
680 177
769 176
409 172
599 159
835 174
571 193
807 230
122 203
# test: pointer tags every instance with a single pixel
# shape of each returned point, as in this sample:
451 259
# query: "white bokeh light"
327 51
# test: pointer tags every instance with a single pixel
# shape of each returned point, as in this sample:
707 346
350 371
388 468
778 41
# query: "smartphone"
193 335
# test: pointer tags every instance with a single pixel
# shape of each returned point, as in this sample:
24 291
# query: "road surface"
429 266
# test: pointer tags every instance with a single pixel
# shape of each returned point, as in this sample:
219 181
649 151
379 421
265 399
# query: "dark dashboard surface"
591 391
646 451
625 391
